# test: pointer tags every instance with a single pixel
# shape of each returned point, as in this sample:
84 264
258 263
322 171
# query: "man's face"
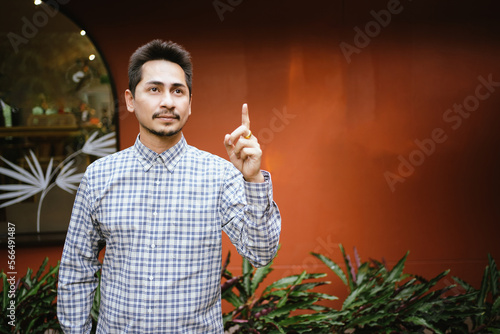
162 103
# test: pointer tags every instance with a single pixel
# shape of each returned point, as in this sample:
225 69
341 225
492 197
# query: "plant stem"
62 163
44 192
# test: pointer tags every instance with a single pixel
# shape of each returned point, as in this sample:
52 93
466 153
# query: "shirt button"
151 277
153 245
155 213
150 310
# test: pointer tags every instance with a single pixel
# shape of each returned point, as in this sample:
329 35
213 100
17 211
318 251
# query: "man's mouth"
165 115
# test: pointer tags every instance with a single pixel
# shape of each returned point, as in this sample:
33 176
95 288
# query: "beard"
162 133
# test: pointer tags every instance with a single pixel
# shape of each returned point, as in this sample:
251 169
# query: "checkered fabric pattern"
161 216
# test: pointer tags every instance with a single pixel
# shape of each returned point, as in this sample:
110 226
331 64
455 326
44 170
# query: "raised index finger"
245 119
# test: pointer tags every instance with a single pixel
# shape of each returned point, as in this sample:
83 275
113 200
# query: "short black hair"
159 50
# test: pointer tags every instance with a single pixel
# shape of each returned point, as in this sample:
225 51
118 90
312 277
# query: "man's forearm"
256 229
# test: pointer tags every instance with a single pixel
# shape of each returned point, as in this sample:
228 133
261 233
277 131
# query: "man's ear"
129 99
190 100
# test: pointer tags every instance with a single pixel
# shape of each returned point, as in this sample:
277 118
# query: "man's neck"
159 144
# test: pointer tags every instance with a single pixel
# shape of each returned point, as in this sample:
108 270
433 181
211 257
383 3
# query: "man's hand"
244 149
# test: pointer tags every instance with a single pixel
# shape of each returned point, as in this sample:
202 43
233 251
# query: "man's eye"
154 89
178 91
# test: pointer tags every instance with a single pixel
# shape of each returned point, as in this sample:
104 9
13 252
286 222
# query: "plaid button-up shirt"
161 216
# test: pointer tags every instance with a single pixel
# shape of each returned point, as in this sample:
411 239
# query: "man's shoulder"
204 156
120 158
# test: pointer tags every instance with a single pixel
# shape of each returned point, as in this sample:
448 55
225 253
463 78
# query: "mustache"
166 113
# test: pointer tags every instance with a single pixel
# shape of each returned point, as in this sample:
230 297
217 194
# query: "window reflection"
56 104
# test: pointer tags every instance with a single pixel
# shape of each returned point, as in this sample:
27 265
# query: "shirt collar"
169 158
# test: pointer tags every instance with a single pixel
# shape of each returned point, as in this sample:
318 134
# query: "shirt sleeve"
78 268
251 218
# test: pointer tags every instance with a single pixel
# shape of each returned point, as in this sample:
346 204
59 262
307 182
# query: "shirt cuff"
259 194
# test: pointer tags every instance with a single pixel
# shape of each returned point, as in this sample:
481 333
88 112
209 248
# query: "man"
160 206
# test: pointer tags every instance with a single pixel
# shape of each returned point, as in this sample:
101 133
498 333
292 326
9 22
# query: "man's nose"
167 101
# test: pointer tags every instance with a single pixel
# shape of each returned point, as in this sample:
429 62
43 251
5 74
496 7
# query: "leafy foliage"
380 300
35 307
487 300
383 300
94 311
273 310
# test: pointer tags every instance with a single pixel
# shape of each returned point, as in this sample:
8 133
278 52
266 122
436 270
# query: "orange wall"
332 129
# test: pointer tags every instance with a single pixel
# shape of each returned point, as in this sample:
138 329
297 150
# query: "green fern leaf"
259 276
333 266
